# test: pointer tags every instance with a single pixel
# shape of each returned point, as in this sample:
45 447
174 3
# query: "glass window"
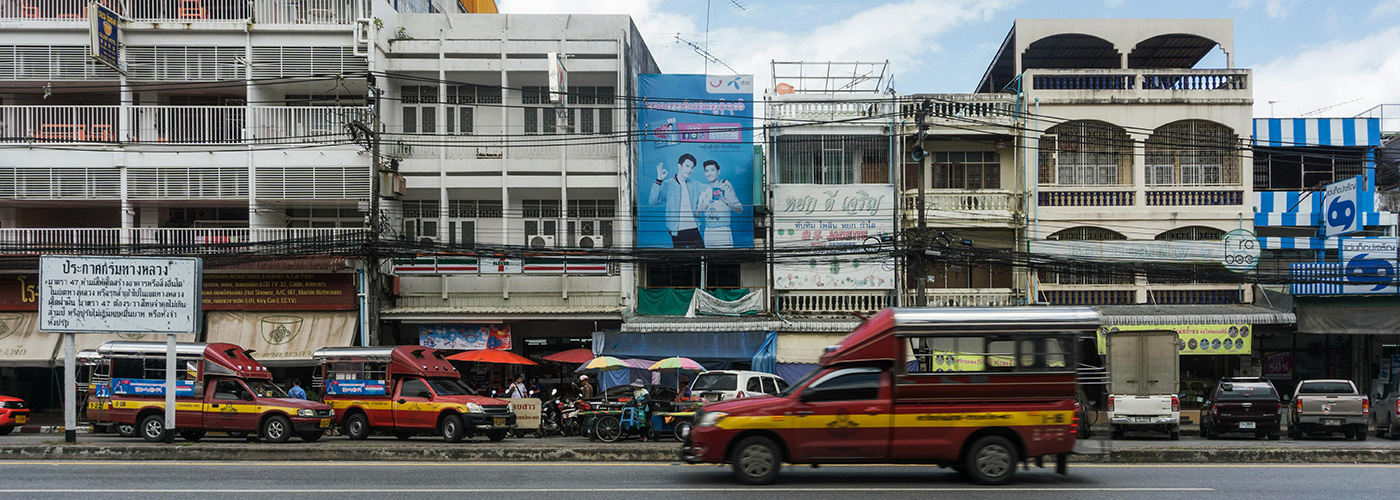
414 388
1246 390
229 390
755 384
715 382
1325 388
782 385
845 386
768 386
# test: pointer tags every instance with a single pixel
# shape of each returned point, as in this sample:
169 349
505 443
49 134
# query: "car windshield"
787 389
450 387
715 382
1238 390
266 389
1325 388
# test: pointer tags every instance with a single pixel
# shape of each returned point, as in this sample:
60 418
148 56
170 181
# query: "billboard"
695 162
104 31
1227 339
82 294
829 217
464 337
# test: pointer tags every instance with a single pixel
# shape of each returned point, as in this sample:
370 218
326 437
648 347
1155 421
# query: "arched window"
1086 233
1193 233
1192 153
1086 153
1078 273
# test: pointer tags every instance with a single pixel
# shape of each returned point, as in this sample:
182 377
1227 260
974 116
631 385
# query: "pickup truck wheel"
682 431
1175 435
276 429
357 427
756 461
1273 436
311 436
1394 432
1361 432
991 460
495 436
126 430
452 429
153 428
192 436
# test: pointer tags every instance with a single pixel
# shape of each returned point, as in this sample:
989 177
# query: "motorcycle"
570 424
549 415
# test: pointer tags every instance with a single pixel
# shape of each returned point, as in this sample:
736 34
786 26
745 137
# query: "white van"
724 385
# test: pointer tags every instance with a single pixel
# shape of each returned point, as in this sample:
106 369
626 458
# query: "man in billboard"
679 195
718 204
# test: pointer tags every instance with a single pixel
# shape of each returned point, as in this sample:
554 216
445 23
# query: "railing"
1191 80
33 241
967 204
833 303
1195 198
963 109
335 12
177 124
967 297
830 110
575 146
1084 82
58 124
1086 198
521 301
304 124
188 124
1083 297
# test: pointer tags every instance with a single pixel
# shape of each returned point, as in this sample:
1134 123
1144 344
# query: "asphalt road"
572 481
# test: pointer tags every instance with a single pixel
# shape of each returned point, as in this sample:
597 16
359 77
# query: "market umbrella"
602 364
677 364
571 356
492 356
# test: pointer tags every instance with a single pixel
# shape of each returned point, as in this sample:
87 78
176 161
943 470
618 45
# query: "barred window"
1192 153
1083 276
1086 153
832 159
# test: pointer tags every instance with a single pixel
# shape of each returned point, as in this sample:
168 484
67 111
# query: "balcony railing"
177 124
1144 82
967 297
964 206
521 302
796 302
528 147
34 241
830 110
332 12
966 110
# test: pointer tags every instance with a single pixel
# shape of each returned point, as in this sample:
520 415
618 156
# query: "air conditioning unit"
540 241
589 242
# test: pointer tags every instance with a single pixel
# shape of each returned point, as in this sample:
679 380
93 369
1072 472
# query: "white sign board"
1197 252
1369 264
1341 209
527 412
79 294
1242 251
811 217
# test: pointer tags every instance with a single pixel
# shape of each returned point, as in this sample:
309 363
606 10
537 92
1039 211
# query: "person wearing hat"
640 399
585 388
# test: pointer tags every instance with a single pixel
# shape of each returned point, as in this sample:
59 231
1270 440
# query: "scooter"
549 415
569 423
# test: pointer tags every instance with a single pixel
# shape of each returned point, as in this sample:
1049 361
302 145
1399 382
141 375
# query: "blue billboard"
695 162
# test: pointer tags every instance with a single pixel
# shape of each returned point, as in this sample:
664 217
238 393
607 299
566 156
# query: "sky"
1310 58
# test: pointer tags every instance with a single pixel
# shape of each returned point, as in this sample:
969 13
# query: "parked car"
13 413
1386 414
724 385
1241 405
1327 407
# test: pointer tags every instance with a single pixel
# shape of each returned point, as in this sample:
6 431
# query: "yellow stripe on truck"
883 420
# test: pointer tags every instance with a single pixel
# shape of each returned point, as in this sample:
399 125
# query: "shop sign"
1278 365
150 387
527 412
1369 265
1341 207
1194 339
279 292
464 337
100 294
1182 252
835 219
19 292
355 387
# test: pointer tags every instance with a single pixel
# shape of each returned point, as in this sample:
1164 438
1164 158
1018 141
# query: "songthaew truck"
218 388
406 390
1144 368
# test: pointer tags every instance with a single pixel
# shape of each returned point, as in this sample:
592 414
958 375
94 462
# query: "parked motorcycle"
550 421
570 424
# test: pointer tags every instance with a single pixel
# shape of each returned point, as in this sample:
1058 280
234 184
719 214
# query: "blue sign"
355 387
1341 207
150 387
695 165
106 33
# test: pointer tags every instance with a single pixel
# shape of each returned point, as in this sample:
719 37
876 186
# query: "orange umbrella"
571 356
492 356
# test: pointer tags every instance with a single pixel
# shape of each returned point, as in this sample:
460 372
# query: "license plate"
1331 421
19 419
499 421
325 423
711 397
1246 425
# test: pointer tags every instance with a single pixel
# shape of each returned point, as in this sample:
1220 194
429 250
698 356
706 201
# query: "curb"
51 429
281 453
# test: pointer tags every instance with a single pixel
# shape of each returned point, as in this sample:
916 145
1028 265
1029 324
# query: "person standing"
584 387
678 194
297 391
641 399
718 204
517 389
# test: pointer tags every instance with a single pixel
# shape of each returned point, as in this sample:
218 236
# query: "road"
572 481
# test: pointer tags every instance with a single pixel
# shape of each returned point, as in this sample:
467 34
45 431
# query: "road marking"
577 490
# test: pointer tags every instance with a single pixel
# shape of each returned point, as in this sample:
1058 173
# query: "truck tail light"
1176 403
1112 399
740 395
1365 406
1074 423
1397 407
1214 410
1298 405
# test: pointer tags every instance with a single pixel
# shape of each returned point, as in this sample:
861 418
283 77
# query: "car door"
224 405
769 386
412 407
753 387
843 416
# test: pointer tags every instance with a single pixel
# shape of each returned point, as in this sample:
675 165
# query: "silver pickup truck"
1327 407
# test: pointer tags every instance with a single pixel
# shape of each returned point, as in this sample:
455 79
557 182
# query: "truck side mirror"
424 394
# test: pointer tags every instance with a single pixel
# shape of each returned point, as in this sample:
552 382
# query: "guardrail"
325 12
34 241
178 124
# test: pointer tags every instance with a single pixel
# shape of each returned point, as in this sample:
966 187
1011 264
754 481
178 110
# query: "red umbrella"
571 356
492 356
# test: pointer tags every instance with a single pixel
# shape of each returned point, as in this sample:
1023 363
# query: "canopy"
571 356
492 356
22 344
602 364
676 364
282 338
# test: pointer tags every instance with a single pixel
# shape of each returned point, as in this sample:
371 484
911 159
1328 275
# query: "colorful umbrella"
492 356
676 364
602 364
640 364
571 356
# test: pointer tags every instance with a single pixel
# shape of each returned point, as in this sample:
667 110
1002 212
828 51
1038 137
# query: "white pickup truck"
1142 382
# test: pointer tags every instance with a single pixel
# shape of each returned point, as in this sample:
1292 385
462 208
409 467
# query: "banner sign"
279 292
1369 264
1194 339
527 412
831 217
464 337
104 30
79 294
1184 252
695 168
355 387
1341 209
1278 365
150 387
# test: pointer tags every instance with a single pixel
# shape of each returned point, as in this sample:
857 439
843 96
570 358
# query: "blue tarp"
792 372
728 346
767 356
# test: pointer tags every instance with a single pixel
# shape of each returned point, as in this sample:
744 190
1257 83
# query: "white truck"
1143 377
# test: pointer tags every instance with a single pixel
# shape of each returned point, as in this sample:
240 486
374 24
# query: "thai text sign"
355 387
464 337
288 292
119 294
150 387
1341 209
1194 252
1195 339
835 218
1369 265
527 412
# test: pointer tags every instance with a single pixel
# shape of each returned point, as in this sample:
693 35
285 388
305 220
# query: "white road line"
575 490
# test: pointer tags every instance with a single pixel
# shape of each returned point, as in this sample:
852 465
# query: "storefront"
1339 337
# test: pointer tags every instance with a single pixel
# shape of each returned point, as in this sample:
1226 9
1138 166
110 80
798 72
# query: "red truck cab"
978 390
218 388
406 390
13 413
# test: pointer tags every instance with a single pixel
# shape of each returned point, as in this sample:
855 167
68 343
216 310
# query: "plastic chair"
629 418
191 9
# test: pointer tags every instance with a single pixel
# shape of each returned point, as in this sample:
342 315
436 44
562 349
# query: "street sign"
80 294
104 30
1369 265
1341 207
1241 251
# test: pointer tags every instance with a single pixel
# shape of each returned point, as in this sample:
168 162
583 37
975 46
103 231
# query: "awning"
282 338
1352 315
805 347
1194 315
661 324
700 346
21 342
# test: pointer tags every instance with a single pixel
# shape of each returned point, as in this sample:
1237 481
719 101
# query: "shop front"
1339 337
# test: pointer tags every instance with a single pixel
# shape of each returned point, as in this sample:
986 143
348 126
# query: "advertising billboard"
1227 339
695 162
830 217
464 337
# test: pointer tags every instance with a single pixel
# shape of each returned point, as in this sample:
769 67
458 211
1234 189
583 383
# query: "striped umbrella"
602 364
676 364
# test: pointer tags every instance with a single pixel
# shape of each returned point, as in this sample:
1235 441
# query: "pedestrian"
517 389
641 399
535 385
585 388
297 391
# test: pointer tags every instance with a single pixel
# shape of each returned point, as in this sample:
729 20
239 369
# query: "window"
229 390
768 386
419 103
414 388
462 218
1086 153
1193 233
347 218
715 382
590 223
755 385
832 159
1192 153
1292 169
722 275
782 385
934 354
966 170
1080 277
588 110
420 219
855 384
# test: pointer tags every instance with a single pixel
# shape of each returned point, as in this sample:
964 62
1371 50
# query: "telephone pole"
918 154
375 219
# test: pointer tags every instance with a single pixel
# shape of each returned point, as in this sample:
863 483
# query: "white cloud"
1330 75
1274 8
1386 8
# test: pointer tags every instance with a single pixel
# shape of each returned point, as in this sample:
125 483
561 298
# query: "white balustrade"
58 124
839 303
178 240
967 297
304 124
333 12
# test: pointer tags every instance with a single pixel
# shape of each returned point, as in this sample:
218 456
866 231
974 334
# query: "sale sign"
1278 365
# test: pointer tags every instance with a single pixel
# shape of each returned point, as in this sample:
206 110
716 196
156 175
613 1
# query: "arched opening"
1070 51
1192 153
1086 153
1078 274
1192 233
1175 50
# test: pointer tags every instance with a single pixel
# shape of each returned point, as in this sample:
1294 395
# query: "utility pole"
375 219
918 154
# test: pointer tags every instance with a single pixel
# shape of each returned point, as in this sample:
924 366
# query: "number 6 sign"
1340 207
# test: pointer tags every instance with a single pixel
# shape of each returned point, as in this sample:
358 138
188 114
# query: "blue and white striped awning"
1315 219
1284 209
1301 132
1298 243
